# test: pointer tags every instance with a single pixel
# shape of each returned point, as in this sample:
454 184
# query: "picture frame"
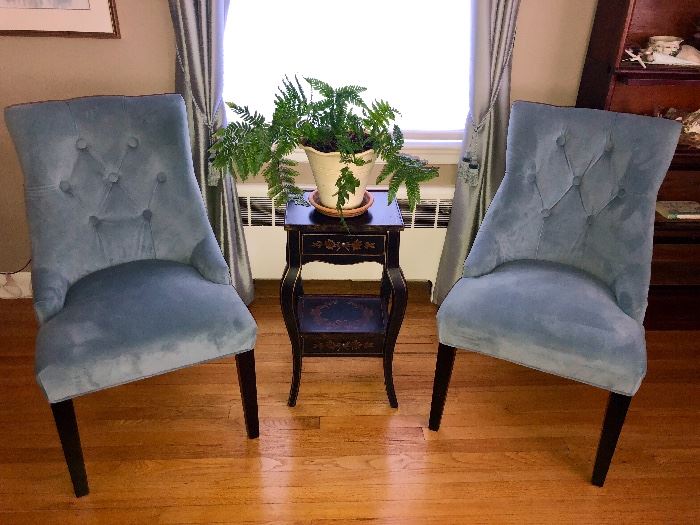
64 18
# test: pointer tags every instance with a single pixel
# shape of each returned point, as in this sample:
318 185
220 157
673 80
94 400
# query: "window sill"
434 151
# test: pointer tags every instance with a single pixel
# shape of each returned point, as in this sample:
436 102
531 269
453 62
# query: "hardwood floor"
515 446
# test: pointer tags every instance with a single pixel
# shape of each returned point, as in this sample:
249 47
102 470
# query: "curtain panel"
199 77
482 165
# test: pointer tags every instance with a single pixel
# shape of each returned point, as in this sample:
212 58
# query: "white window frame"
436 147
441 147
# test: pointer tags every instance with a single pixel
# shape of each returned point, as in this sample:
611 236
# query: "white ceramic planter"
326 169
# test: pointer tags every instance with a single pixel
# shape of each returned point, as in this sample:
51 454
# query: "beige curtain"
482 166
199 77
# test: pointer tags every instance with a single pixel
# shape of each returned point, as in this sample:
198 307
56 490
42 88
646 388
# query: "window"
412 53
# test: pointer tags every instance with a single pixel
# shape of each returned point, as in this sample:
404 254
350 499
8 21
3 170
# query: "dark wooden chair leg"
612 425
245 364
443 373
67 426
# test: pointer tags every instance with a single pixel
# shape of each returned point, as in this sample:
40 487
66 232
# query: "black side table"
343 325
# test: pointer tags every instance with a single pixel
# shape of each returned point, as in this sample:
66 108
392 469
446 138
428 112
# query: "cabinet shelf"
676 231
636 75
686 158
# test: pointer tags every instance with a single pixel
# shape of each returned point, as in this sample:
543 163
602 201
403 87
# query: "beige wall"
550 47
551 44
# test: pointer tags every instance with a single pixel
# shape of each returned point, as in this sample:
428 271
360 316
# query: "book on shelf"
682 210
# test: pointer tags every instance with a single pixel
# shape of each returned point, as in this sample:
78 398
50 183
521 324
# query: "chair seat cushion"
550 317
136 320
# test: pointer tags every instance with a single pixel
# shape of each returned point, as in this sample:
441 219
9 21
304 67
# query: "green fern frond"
241 148
339 120
252 119
351 94
346 184
410 171
280 175
325 89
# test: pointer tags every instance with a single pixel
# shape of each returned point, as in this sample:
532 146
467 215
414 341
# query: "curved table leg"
385 287
399 298
290 288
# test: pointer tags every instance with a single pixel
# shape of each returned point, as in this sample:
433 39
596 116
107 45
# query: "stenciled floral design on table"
335 246
343 346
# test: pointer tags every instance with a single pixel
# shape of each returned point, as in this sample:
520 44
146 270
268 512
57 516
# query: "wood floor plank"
515 446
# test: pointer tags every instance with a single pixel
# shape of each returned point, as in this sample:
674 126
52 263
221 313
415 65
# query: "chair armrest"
484 256
49 289
209 261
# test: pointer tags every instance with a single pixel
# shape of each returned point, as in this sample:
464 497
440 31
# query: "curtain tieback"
468 170
468 166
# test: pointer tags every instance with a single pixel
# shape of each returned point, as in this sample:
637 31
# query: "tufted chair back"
109 180
580 189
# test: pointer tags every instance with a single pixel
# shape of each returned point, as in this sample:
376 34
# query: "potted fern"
341 135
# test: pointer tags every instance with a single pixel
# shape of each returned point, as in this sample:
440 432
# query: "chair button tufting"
65 187
113 177
133 142
81 143
608 147
621 192
161 177
577 180
147 215
589 220
531 178
546 212
94 221
561 140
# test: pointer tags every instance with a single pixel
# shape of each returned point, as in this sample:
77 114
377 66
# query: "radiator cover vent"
429 213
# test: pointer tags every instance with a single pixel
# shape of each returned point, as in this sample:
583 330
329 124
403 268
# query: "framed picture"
79 18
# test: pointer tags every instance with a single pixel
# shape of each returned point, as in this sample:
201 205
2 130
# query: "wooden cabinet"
609 82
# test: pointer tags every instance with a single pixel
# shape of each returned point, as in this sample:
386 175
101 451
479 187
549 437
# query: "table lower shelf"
337 325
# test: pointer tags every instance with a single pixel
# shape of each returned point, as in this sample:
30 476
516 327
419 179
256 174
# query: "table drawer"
330 244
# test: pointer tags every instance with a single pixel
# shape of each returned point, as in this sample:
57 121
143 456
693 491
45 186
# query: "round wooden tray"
367 201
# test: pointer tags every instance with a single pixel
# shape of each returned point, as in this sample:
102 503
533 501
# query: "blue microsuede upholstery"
547 316
135 320
109 182
558 276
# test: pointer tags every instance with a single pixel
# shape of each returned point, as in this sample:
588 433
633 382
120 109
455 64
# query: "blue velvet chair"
128 279
558 276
